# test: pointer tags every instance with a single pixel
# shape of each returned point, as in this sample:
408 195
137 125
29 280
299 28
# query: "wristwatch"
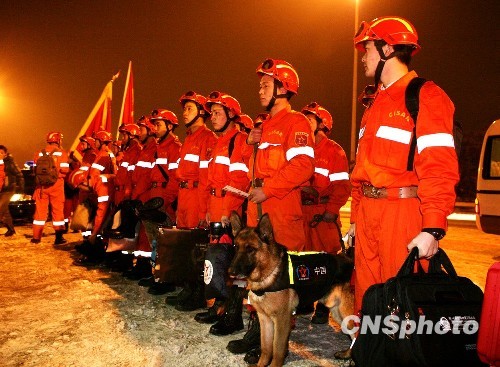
437 233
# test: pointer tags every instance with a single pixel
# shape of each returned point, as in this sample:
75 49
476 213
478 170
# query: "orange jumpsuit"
331 181
53 195
285 161
167 156
102 186
141 186
123 178
104 163
224 170
384 227
192 174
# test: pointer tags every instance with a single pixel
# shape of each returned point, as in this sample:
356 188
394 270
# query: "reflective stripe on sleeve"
435 140
145 164
339 176
321 171
204 164
84 168
64 165
222 160
394 134
173 165
161 161
124 164
97 166
192 158
131 167
267 145
57 154
238 166
104 178
295 151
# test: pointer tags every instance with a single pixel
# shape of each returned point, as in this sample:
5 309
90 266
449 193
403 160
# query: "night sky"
57 56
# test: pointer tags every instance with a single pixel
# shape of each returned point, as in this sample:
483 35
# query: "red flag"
99 118
127 112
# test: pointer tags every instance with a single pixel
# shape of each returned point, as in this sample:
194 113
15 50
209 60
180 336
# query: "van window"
491 165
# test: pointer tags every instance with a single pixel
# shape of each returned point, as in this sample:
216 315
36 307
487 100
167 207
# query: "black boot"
181 297
10 231
212 314
129 220
251 339
195 300
95 255
232 319
159 288
59 238
320 314
125 262
142 269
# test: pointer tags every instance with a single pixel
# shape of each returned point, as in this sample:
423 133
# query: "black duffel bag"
420 319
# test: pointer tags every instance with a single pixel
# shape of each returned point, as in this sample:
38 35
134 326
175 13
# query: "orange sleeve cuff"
434 220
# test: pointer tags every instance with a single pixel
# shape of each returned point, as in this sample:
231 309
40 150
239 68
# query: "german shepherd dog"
263 262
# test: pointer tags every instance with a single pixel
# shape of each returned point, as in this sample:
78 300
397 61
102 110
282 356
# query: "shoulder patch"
301 138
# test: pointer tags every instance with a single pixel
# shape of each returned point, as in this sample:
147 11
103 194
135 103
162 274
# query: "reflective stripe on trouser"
323 237
384 228
53 195
188 208
286 218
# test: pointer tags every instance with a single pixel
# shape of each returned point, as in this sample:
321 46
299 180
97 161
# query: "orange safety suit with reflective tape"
2 174
284 161
123 178
192 174
53 195
331 182
164 184
384 227
141 175
104 163
89 156
102 186
228 169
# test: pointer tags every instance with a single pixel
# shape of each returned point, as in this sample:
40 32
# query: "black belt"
155 184
258 182
217 192
188 184
315 201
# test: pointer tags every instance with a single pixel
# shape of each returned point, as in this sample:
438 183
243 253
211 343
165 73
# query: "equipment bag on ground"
488 344
175 254
420 319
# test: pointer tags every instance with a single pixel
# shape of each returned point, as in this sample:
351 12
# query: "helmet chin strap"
273 98
190 123
381 64
228 121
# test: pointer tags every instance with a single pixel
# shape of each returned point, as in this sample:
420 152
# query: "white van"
488 182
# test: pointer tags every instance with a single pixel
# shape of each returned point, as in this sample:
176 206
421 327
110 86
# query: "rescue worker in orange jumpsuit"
226 168
71 194
54 194
164 182
102 186
129 134
282 163
105 161
141 190
89 152
395 205
285 156
330 188
192 175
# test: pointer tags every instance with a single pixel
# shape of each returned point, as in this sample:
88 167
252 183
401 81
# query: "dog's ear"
266 229
235 220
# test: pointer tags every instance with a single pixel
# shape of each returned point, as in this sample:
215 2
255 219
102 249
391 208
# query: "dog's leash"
259 205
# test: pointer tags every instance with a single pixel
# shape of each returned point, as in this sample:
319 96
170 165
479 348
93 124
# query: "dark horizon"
56 57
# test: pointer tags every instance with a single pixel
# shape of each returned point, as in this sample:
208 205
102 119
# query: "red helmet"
320 112
193 97
392 30
261 118
103 136
132 129
88 139
54 137
246 121
225 100
77 177
146 122
282 71
165 115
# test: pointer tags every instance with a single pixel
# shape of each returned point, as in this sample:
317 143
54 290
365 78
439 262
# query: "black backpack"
412 95
46 171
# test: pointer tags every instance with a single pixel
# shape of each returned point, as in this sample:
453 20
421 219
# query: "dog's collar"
264 285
